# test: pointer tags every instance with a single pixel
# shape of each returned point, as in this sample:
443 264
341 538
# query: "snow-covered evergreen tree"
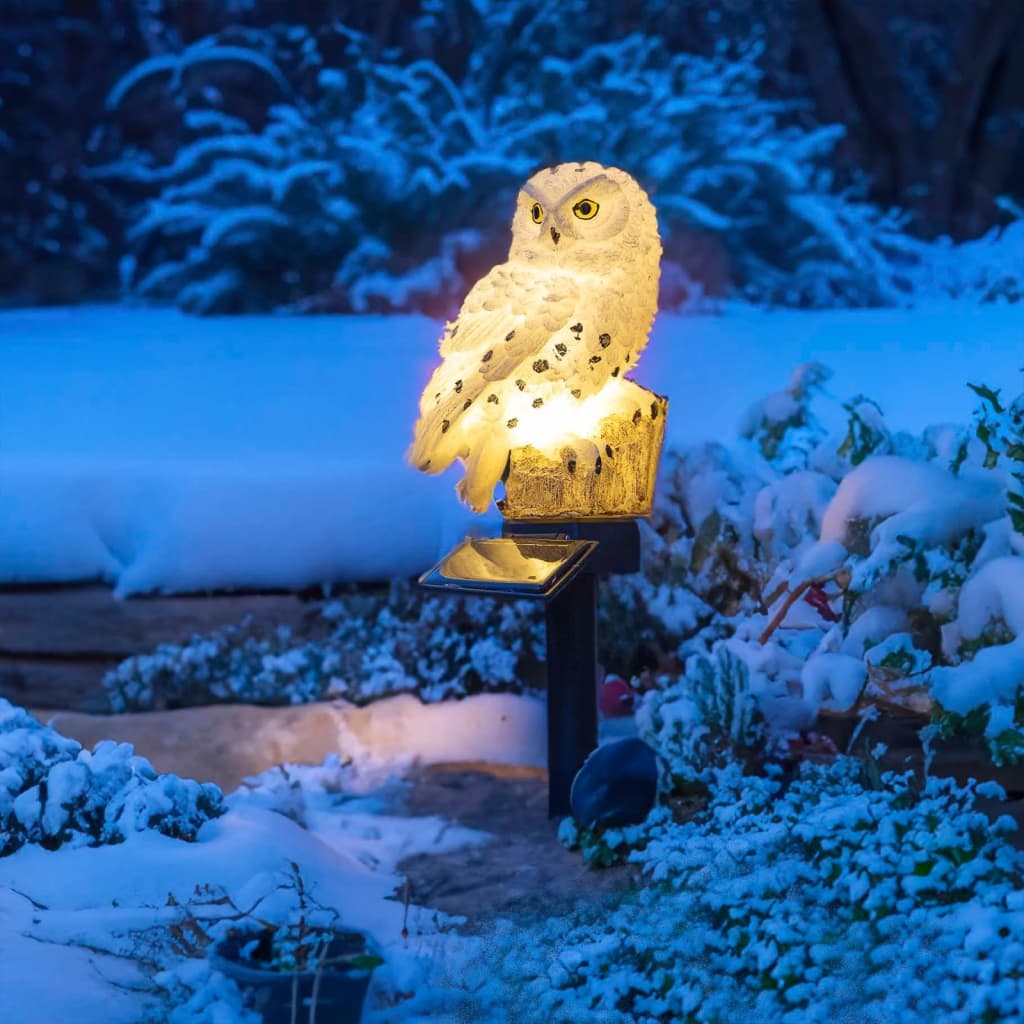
389 184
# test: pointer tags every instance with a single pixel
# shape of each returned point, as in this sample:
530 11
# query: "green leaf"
364 962
707 533
987 394
958 461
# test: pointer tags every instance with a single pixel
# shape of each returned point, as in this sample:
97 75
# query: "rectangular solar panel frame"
567 556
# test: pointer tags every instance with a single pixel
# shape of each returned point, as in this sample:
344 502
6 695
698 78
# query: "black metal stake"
572 685
612 547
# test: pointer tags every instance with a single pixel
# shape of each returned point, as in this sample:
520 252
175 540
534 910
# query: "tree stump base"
609 475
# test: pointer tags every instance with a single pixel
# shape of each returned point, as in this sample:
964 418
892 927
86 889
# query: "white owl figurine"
543 334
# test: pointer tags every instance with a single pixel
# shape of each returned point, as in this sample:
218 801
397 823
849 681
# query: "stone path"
523 872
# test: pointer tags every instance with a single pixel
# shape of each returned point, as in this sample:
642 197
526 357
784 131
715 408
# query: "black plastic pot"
339 992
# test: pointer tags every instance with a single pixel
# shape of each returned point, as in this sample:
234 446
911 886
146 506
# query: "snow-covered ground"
159 451
99 917
826 899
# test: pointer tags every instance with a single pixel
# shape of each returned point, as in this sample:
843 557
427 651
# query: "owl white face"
574 211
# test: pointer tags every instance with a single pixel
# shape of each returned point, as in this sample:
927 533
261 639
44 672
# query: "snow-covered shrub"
827 900
926 545
709 716
390 183
840 566
782 424
986 269
983 692
899 540
365 647
52 792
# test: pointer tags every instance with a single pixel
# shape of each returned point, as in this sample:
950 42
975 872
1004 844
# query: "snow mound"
182 454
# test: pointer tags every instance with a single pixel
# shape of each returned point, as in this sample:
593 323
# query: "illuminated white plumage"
564 318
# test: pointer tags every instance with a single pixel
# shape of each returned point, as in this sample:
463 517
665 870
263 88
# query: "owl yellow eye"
537 213
586 209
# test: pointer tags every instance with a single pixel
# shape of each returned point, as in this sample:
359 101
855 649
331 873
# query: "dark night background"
348 156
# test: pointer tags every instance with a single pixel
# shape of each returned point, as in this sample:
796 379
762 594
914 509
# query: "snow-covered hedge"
834 898
390 184
364 647
52 792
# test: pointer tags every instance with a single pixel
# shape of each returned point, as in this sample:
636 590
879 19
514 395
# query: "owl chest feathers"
520 340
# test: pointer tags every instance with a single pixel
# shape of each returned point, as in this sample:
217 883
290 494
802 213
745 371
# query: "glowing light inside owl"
538 357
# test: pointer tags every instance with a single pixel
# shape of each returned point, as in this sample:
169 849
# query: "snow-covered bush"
52 792
982 693
364 647
844 567
927 544
709 716
390 183
829 899
986 269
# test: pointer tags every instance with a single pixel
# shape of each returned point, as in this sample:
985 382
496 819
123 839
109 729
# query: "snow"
819 560
994 594
177 65
494 727
993 597
922 503
159 451
833 680
993 677
919 500
94 915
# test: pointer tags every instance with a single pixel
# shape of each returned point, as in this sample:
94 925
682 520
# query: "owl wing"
506 320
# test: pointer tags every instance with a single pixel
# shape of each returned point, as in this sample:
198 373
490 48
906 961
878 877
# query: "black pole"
572 685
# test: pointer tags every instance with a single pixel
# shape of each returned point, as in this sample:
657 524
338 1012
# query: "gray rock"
617 785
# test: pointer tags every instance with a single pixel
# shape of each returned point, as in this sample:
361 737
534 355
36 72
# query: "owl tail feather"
484 468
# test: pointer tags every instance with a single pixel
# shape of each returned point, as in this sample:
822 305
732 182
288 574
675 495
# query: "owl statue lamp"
533 384
533 390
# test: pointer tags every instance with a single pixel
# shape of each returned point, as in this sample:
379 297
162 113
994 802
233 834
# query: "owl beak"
555 234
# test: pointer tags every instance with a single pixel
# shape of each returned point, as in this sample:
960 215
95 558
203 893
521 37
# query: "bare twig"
791 599
25 896
771 598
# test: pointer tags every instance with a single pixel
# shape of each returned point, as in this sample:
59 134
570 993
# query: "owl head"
583 214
